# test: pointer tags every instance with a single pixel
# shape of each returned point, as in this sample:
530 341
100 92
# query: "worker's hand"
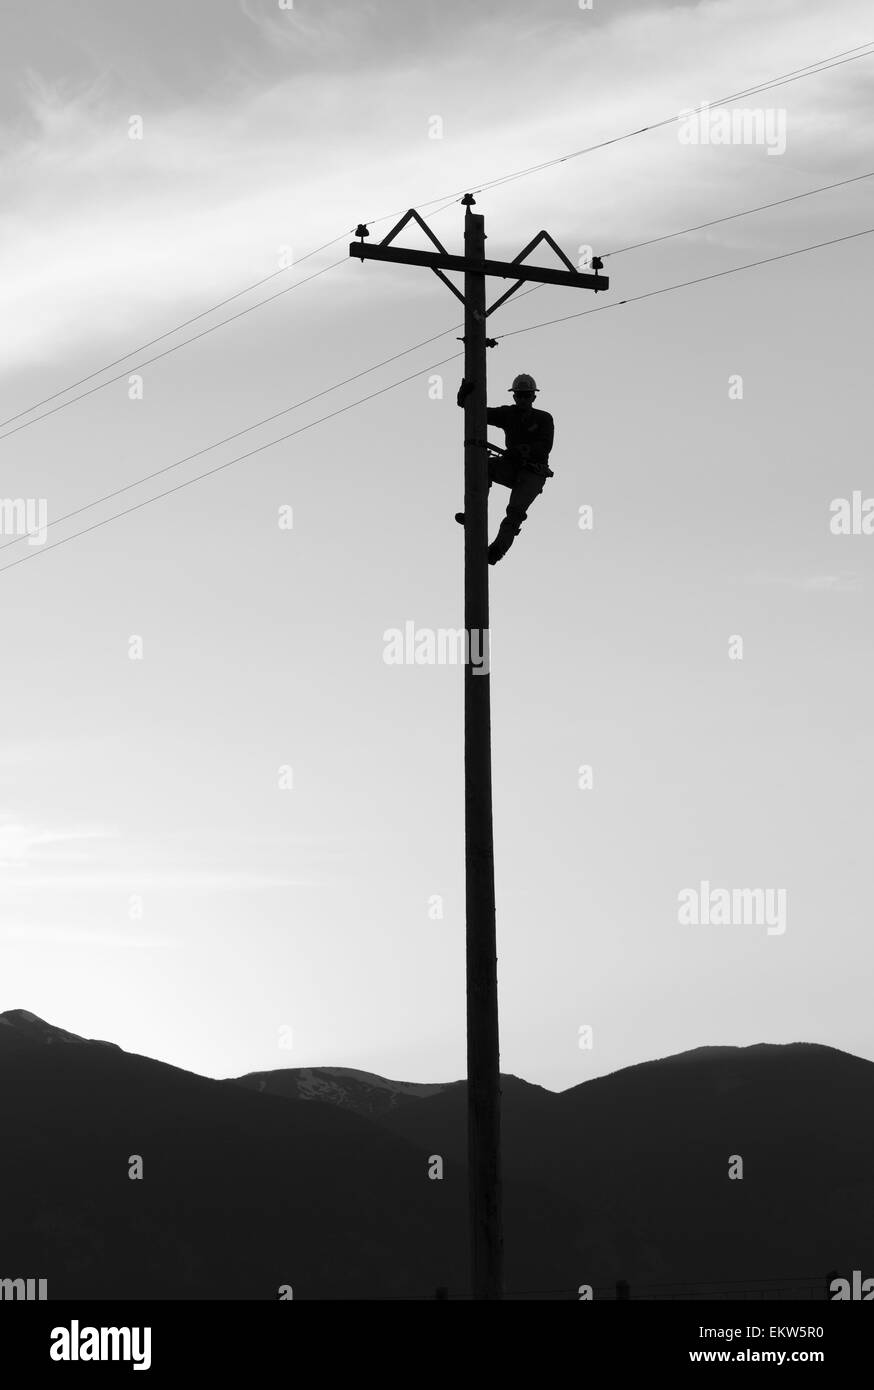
464 391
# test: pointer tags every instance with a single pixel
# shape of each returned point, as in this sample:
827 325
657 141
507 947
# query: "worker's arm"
548 433
494 414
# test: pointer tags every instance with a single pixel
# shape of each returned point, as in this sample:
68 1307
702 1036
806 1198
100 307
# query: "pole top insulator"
468 200
361 230
597 263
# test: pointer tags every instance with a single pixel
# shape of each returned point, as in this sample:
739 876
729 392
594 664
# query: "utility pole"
483 1065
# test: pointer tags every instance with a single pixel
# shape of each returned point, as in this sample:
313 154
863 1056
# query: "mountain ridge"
29 1027
328 1187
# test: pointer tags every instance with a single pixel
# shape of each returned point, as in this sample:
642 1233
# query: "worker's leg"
527 487
503 470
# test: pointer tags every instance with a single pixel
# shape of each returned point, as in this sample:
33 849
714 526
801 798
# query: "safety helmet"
523 382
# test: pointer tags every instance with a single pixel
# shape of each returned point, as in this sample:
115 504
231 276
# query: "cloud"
832 583
58 934
94 859
134 880
22 844
843 583
104 238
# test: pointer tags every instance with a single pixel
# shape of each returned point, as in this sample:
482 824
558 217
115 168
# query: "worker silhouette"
524 466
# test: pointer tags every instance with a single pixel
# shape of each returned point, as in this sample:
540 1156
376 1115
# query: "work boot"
502 542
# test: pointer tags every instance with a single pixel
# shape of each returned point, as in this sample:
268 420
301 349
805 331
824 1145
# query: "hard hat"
523 382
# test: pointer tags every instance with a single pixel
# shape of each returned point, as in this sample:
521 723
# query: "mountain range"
317 1179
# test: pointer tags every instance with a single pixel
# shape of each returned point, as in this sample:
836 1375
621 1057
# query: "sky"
231 834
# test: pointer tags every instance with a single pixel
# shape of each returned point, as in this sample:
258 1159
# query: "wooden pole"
483 1069
483 1066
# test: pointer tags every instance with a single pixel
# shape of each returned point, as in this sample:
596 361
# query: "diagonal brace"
544 236
448 283
413 216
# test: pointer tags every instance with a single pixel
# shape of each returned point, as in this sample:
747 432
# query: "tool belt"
522 457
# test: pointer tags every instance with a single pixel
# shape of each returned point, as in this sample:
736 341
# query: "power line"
747 212
333 266
179 326
713 222
796 74
809 70
699 280
239 459
170 331
107 497
666 289
167 351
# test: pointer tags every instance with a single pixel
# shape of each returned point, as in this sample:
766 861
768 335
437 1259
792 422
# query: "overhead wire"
219 468
684 284
143 347
809 70
650 294
129 371
17 540
732 216
227 439
846 55
796 75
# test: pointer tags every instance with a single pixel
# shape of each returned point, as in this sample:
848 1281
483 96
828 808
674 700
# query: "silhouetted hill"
318 1178
643 1154
20 1029
242 1192
800 1115
360 1091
